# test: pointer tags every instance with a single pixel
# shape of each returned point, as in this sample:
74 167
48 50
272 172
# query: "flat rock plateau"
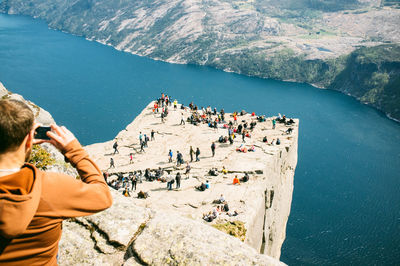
167 227
263 203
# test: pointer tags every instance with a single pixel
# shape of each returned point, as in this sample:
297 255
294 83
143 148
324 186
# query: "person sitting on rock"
278 141
126 192
221 199
208 217
202 187
236 180
213 172
235 213
226 207
224 171
215 212
245 178
265 139
289 131
290 122
143 195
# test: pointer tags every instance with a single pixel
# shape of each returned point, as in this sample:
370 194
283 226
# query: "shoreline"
226 69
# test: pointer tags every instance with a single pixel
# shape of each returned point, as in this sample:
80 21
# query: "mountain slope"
303 40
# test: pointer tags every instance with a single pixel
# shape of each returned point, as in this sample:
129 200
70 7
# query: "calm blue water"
346 203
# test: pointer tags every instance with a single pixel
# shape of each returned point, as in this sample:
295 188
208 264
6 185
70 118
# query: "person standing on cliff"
191 152
162 117
152 134
182 119
178 180
170 154
112 163
187 170
197 154
134 182
33 202
145 139
140 138
115 146
178 158
213 149
142 146
273 123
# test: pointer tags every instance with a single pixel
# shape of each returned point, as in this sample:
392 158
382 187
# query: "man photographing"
33 203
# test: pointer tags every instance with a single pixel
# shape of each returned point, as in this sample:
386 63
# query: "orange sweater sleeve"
66 196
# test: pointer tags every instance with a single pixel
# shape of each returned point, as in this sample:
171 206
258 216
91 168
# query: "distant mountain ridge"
313 41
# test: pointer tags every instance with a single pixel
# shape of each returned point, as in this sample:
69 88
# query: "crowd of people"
236 128
220 208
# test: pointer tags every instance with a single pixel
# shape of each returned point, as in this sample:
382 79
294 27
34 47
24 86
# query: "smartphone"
40 133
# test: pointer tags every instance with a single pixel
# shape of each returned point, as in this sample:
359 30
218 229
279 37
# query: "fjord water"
346 203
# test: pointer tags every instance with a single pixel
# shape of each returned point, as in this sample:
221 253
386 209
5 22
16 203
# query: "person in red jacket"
33 203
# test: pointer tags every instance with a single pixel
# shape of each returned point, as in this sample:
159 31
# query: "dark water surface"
346 202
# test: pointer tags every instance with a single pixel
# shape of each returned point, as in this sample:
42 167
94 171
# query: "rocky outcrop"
263 203
127 234
43 117
167 227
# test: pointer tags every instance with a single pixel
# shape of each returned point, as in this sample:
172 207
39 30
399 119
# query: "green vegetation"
235 228
41 158
284 65
372 75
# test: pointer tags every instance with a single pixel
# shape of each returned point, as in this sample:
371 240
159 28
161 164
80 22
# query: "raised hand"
60 137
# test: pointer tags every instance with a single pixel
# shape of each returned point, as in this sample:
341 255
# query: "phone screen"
40 133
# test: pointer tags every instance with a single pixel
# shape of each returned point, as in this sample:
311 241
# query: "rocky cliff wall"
272 202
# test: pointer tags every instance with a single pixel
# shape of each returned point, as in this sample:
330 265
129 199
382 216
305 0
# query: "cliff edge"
167 227
262 203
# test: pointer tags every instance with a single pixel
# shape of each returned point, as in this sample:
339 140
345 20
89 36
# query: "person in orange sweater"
236 180
33 203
